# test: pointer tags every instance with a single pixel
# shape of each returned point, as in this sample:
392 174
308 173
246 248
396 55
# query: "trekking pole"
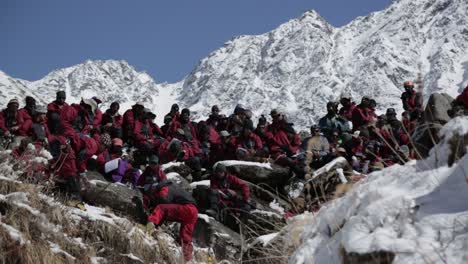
391 148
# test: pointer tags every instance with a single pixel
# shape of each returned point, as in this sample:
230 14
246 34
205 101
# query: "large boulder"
116 196
225 243
259 173
437 107
425 135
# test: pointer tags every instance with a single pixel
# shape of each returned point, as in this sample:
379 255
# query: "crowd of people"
81 137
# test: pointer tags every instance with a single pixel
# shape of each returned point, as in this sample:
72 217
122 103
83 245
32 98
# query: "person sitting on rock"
39 131
129 118
361 116
80 117
225 188
214 116
347 108
25 115
236 120
411 99
284 143
328 123
9 121
153 174
58 105
112 121
248 142
189 131
315 148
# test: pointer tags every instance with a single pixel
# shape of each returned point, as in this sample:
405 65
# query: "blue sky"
164 38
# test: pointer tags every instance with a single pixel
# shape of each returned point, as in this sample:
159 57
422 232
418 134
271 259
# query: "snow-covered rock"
416 212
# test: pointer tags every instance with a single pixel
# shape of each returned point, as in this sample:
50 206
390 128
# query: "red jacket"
253 143
56 108
64 165
117 119
128 122
90 147
361 117
142 131
231 182
4 122
166 156
72 117
155 175
281 139
25 121
411 101
347 112
156 129
176 125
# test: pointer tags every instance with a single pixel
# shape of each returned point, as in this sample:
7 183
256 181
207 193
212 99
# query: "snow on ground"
203 183
265 239
14 233
418 211
229 163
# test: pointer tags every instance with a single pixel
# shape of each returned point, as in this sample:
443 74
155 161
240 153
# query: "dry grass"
54 225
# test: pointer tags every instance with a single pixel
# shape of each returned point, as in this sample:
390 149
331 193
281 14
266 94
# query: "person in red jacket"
285 142
129 118
58 105
247 143
39 131
9 119
347 108
176 206
153 174
80 117
25 116
184 123
362 115
411 99
226 189
112 121
143 132
63 168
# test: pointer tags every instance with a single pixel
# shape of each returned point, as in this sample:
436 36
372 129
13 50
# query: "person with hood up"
361 115
247 143
347 108
80 117
9 119
229 191
112 121
25 115
58 105
175 205
129 118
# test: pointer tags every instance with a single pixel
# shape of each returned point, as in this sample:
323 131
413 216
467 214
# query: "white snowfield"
296 67
418 211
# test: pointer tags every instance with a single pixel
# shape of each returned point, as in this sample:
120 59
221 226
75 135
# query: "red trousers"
186 215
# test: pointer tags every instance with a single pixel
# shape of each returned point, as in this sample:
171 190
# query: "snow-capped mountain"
305 62
296 67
